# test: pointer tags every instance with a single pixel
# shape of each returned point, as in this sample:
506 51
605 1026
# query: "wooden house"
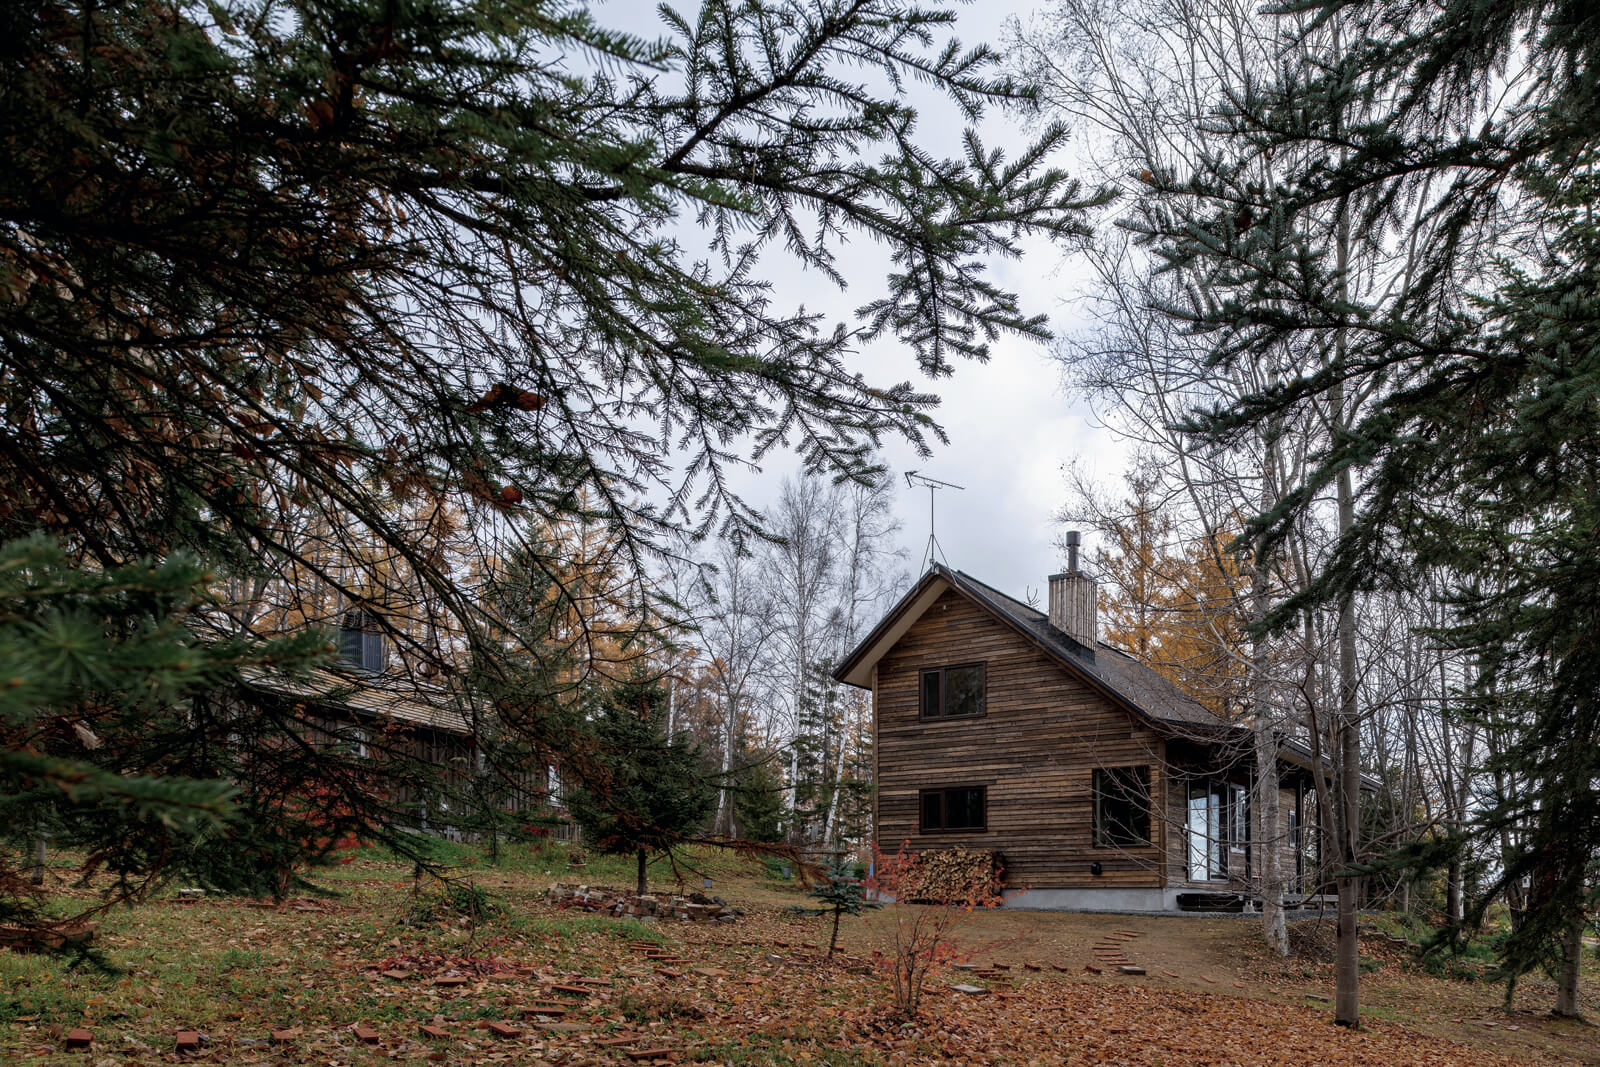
386 718
1101 785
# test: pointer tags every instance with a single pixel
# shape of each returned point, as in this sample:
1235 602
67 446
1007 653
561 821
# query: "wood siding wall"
1035 750
1200 767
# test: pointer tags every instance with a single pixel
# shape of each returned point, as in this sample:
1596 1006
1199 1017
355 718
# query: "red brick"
1091 968
79 1038
285 1037
1169 974
1208 978
649 1053
188 1041
571 990
1033 967
398 976
667 972
438 1033
544 1009
450 981
365 1034
504 1029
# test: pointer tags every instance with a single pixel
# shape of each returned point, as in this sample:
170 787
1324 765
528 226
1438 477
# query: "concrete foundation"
1136 900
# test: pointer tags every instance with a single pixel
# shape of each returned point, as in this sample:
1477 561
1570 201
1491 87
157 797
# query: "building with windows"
1101 785
419 738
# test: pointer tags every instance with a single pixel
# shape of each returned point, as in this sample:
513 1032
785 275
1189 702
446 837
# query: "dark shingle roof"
1139 685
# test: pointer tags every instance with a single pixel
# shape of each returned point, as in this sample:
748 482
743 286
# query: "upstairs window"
962 808
1122 807
953 692
361 642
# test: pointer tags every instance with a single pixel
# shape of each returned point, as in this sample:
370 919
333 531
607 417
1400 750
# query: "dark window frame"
1099 794
1228 808
943 792
362 644
941 673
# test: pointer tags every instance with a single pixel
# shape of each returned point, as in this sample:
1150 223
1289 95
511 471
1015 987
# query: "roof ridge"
1000 593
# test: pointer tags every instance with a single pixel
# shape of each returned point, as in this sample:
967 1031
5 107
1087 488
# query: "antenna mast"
913 479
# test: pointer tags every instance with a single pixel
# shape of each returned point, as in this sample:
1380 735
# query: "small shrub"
923 936
454 900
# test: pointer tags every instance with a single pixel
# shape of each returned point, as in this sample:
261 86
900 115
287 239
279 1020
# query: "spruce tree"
641 790
330 262
1457 139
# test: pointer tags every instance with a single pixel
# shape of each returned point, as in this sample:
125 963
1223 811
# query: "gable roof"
375 695
1116 674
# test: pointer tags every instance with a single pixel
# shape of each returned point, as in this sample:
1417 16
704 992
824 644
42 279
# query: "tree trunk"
1269 798
1269 853
1347 970
38 858
641 872
1568 1003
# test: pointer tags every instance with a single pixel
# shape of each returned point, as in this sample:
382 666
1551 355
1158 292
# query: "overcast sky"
1012 425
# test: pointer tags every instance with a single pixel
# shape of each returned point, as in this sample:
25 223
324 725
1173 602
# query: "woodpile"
957 875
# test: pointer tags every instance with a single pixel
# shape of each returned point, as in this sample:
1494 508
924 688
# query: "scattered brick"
1059 967
437 1033
1033 966
504 1029
999 966
1092 969
710 972
1169 974
79 1038
1238 985
668 972
450 981
365 1034
571 990
1208 978
544 1009
285 1037
398 976
637 1054
188 1041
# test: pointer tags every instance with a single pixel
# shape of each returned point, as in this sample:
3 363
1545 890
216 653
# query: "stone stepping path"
1111 951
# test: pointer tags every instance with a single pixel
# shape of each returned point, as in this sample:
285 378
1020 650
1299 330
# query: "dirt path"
1226 957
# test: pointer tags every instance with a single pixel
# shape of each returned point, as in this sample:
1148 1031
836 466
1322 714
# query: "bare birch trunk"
1269 855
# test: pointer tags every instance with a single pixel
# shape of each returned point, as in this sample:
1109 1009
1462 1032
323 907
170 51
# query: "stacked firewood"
957 875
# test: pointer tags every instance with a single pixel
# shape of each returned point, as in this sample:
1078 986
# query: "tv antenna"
913 479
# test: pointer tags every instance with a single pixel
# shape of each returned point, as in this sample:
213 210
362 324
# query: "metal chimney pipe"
1073 540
